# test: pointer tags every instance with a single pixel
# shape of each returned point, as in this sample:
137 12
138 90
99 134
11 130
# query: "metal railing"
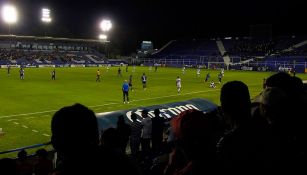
24 148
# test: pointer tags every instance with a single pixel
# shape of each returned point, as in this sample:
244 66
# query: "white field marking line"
34 130
8 116
45 115
16 123
104 105
100 107
27 118
24 126
189 93
42 112
11 120
47 135
175 95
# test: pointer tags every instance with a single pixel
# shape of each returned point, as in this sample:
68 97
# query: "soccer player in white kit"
222 72
212 84
178 84
133 70
183 70
198 72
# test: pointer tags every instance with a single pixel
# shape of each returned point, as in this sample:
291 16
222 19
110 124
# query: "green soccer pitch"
26 106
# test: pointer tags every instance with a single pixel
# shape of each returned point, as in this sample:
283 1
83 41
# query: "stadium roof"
47 38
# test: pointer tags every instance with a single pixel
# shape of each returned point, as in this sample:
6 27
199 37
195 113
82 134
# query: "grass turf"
26 106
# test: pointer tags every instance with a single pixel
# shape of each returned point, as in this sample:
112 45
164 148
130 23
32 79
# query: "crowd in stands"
261 135
40 165
294 52
4 54
189 48
239 49
36 56
252 47
263 47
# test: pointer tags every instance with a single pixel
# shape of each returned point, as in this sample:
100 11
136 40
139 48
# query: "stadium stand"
245 53
28 50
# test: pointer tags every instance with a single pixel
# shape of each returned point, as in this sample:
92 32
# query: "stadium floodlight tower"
46 15
9 15
105 25
103 37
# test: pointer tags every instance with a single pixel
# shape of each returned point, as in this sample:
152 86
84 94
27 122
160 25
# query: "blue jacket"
125 87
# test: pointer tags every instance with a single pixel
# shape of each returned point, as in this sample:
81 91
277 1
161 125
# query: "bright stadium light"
103 37
46 15
105 25
9 14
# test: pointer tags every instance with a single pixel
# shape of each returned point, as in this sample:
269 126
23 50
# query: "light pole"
105 26
9 15
103 38
46 17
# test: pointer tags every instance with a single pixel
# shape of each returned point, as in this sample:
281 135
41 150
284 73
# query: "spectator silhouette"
283 105
42 166
242 146
195 137
157 131
75 138
235 103
146 133
135 137
281 80
274 105
293 87
114 159
23 165
264 83
124 131
110 142
8 166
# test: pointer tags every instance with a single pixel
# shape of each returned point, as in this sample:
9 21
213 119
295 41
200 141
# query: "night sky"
159 20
